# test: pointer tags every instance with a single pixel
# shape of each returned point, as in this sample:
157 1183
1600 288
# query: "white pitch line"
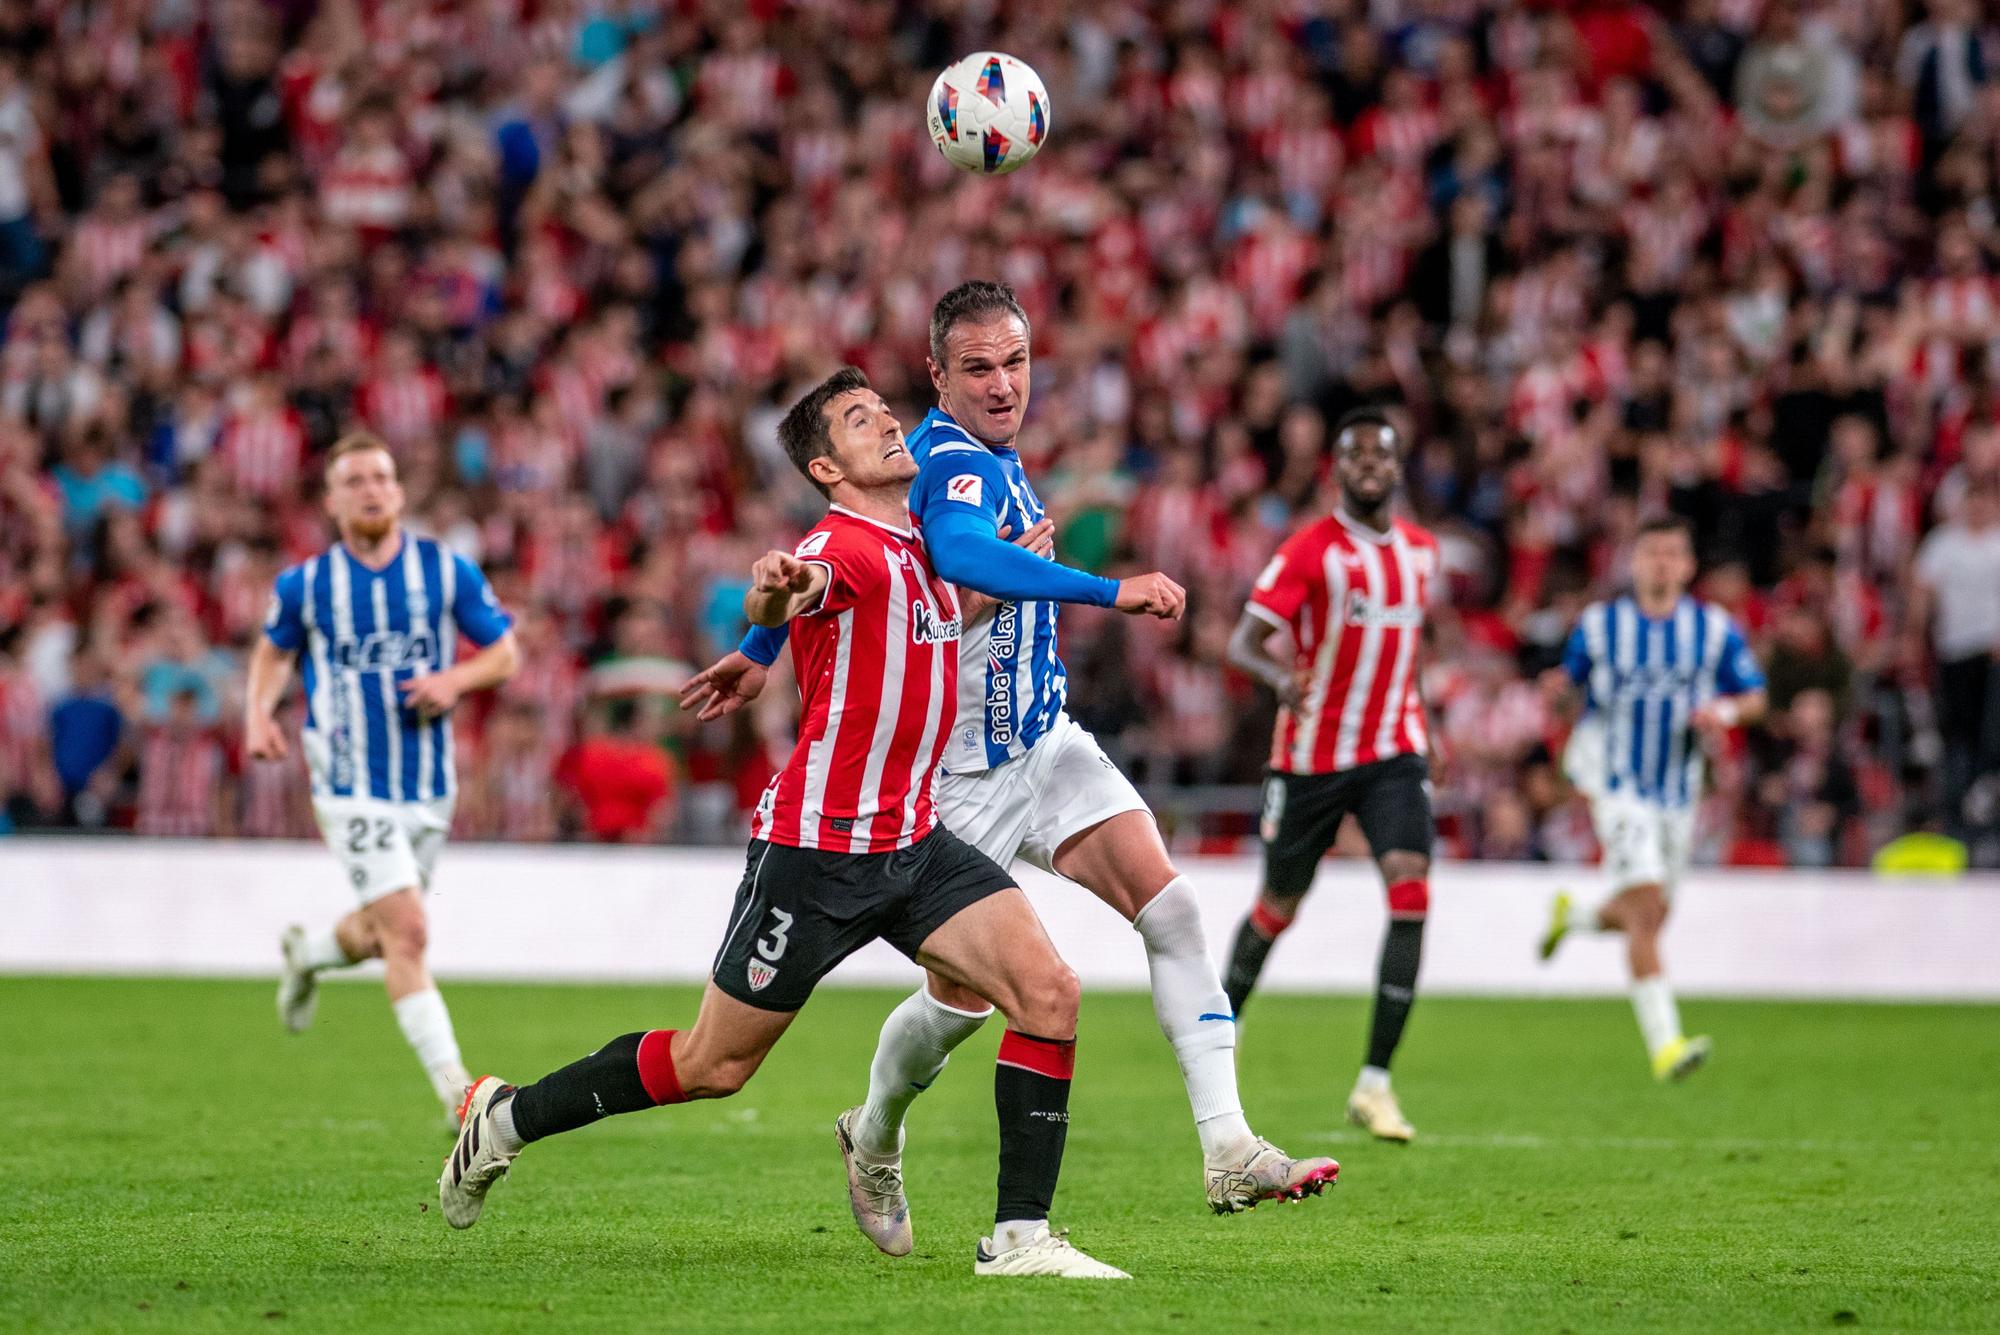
1670 1145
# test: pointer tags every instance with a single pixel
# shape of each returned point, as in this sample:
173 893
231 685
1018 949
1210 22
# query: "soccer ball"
989 113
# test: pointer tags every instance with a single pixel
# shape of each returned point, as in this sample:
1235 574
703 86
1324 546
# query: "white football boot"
1044 1253
475 1162
875 1191
1376 1111
298 988
1261 1171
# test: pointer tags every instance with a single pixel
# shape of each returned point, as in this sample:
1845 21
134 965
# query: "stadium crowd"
1729 258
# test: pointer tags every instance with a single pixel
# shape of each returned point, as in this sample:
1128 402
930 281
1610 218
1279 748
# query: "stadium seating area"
1730 258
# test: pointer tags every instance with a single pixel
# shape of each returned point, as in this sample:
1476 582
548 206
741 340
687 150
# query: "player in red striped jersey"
1348 593
845 848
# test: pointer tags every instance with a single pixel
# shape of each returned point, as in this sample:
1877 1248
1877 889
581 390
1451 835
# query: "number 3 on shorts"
1274 809
772 947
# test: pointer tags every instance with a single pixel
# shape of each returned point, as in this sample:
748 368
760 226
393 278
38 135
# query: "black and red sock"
1396 974
1031 1093
631 1072
1254 939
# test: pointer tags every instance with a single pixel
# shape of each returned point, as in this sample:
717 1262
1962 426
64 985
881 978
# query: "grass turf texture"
172 1160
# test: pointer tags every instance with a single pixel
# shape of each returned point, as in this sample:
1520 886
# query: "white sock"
426 1025
1193 1011
916 1041
500 1120
323 951
1372 1080
1011 1233
1659 1018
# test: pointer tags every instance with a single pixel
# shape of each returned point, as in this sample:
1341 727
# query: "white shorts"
1644 842
1030 806
384 846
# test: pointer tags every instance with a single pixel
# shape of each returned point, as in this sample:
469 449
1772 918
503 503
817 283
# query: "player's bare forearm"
489 667
270 675
1249 650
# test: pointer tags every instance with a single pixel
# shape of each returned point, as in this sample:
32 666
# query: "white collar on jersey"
852 514
1361 530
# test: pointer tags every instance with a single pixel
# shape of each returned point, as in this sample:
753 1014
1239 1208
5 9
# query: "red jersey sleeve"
854 567
1285 584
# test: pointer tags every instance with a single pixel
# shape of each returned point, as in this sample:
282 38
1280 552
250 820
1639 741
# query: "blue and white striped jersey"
1645 679
358 633
1011 684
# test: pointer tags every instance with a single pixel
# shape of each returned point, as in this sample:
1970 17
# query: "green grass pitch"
171 1160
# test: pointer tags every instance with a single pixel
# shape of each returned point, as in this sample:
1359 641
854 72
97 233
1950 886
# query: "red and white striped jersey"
1354 602
877 663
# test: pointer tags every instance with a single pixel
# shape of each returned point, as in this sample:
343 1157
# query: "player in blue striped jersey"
1021 779
373 623
1660 673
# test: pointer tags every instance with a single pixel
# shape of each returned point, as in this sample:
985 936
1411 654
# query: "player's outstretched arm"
781 587
1250 649
437 692
1039 539
270 674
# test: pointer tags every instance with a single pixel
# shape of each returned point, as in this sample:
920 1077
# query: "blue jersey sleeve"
961 498
1738 671
285 622
1576 656
763 644
473 606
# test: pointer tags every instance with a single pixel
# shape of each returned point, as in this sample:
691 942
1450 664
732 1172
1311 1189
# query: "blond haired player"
373 623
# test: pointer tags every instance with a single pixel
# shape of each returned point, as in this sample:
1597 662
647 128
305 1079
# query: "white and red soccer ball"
989 113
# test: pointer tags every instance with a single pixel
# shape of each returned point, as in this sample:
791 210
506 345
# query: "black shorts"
1302 814
800 911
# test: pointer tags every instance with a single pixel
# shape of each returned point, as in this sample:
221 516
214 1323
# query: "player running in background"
1021 779
1661 672
1334 626
845 847
374 623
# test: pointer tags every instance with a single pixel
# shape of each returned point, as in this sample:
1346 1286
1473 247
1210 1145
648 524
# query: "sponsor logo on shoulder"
814 544
966 487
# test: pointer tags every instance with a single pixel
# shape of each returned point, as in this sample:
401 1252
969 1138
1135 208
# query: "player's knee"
1403 865
407 935
1050 1001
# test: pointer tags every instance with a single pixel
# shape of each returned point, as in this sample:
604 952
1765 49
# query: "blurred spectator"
1955 591
1808 783
621 780
181 769
86 730
1943 62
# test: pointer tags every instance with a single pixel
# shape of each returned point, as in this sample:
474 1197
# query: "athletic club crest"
760 975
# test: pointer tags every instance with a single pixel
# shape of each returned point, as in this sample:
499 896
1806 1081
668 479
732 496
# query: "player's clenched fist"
780 572
1151 595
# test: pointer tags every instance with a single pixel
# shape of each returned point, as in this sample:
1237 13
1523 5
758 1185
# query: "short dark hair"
971 303
804 432
1667 524
1359 417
